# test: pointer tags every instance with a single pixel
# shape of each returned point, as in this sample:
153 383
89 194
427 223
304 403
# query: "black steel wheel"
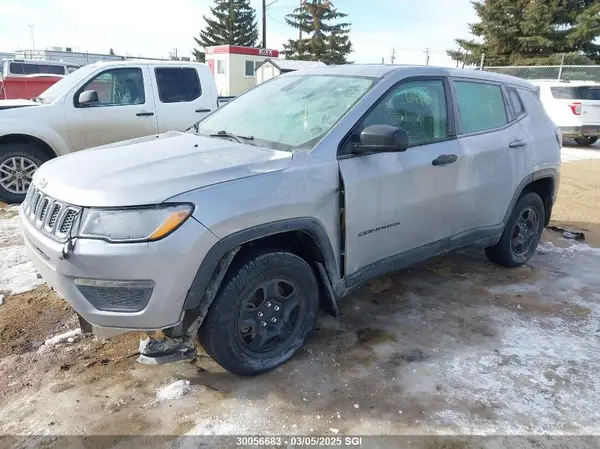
521 234
262 314
586 141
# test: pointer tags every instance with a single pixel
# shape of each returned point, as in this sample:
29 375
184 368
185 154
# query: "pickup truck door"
403 206
183 96
124 110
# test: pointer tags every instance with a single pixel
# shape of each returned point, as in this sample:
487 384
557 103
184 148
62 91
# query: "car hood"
149 170
12 104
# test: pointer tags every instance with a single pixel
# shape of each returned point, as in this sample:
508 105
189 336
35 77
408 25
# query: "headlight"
144 224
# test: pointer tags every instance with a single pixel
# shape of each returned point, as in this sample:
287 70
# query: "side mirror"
88 96
382 138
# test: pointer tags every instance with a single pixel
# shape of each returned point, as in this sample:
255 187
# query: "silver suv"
281 202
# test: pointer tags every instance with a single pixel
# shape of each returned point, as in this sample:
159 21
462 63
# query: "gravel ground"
453 346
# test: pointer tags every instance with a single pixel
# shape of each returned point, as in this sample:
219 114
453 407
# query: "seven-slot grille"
54 218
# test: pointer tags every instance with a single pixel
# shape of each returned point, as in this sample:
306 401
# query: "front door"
124 110
407 202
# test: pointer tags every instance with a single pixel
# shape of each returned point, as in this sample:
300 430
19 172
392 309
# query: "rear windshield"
26 68
576 93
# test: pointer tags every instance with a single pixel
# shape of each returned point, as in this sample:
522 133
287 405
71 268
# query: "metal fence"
551 72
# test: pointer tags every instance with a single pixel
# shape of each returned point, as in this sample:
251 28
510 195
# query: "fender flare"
550 173
216 262
37 130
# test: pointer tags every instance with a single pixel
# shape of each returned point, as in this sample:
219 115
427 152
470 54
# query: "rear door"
125 108
494 147
181 97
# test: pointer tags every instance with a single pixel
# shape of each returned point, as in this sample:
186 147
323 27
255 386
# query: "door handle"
144 114
445 159
202 110
517 144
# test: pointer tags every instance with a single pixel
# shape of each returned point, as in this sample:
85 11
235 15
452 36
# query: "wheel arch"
27 138
544 183
305 237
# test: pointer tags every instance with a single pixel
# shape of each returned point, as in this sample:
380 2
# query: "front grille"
54 218
67 222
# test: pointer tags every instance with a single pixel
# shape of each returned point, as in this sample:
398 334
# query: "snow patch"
62 338
17 273
173 390
1 299
578 154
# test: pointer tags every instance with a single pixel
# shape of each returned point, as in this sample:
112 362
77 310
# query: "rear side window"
176 84
480 105
20 68
515 102
576 92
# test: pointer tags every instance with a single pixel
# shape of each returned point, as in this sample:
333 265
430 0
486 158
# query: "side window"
16 68
220 67
417 107
515 102
480 105
249 68
176 85
117 87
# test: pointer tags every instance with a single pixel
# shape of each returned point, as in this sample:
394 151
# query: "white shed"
271 68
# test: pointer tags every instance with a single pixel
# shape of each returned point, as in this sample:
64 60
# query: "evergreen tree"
233 22
530 32
322 40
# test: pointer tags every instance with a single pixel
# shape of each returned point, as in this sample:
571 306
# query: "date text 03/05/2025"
299 440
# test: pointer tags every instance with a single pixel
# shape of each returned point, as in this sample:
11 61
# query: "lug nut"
268 304
260 314
263 324
273 320
276 308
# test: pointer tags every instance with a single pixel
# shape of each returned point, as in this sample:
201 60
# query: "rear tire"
586 141
262 314
18 163
521 234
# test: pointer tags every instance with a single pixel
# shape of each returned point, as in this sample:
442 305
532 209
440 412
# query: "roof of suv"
382 70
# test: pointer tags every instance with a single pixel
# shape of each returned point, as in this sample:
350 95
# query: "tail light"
575 108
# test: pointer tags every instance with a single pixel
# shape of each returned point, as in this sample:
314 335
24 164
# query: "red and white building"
234 67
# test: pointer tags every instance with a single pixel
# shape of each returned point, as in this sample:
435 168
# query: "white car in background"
574 106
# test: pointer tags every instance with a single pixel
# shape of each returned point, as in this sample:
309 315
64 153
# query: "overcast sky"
153 29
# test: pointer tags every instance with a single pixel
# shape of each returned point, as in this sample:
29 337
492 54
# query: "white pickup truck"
96 105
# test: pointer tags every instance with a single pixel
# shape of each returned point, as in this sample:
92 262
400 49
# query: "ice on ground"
17 273
61 338
578 154
173 390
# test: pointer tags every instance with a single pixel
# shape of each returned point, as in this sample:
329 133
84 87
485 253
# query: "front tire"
262 313
522 233
18 163
586 141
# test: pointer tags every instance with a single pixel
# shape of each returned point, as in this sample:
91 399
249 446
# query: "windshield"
288 112
54 91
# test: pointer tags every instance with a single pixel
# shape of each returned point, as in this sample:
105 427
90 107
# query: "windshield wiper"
238 138
38 100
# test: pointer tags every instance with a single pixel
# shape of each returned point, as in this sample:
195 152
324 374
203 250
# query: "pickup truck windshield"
64 84
288 112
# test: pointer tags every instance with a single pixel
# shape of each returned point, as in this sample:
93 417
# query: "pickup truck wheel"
262 313
521 234
18 163
586 141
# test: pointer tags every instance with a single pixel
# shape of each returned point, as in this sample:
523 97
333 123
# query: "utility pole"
427 56
300 29
31 27
482 61
393 57
264 23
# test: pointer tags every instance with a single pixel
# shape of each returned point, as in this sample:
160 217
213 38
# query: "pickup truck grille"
52 217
